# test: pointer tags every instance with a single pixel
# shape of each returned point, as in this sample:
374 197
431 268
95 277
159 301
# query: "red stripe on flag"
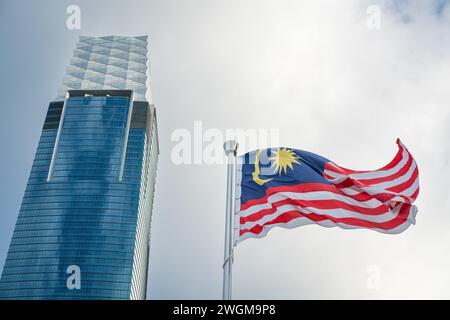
401 172
415 194
405 185
318 204
302 187
286 217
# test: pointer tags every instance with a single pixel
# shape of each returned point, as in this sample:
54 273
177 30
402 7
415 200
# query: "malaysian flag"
289 188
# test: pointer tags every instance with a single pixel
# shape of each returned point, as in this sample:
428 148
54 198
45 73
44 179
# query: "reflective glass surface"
81 214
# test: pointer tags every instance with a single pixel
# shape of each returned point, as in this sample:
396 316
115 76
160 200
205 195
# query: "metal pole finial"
230 146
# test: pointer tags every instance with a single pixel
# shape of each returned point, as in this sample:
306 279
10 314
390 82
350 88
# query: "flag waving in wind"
290 188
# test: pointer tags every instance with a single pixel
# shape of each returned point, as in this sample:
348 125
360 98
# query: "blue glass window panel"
93 130
87 223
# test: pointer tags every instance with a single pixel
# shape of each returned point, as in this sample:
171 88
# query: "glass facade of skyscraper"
83 227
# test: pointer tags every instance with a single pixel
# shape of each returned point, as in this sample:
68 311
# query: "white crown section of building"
109 63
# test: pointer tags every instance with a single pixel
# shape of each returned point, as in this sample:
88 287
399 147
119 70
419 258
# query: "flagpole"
230 148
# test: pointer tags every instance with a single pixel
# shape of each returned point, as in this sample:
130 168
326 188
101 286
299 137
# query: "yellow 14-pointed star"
282 159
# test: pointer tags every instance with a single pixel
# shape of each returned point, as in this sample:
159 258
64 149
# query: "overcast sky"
315 71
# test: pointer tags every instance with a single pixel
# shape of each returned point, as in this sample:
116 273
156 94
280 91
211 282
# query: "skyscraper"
83 228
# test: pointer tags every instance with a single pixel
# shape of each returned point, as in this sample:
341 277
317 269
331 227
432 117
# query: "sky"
318 71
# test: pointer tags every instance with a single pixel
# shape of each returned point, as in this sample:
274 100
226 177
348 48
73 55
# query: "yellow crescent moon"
256 173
